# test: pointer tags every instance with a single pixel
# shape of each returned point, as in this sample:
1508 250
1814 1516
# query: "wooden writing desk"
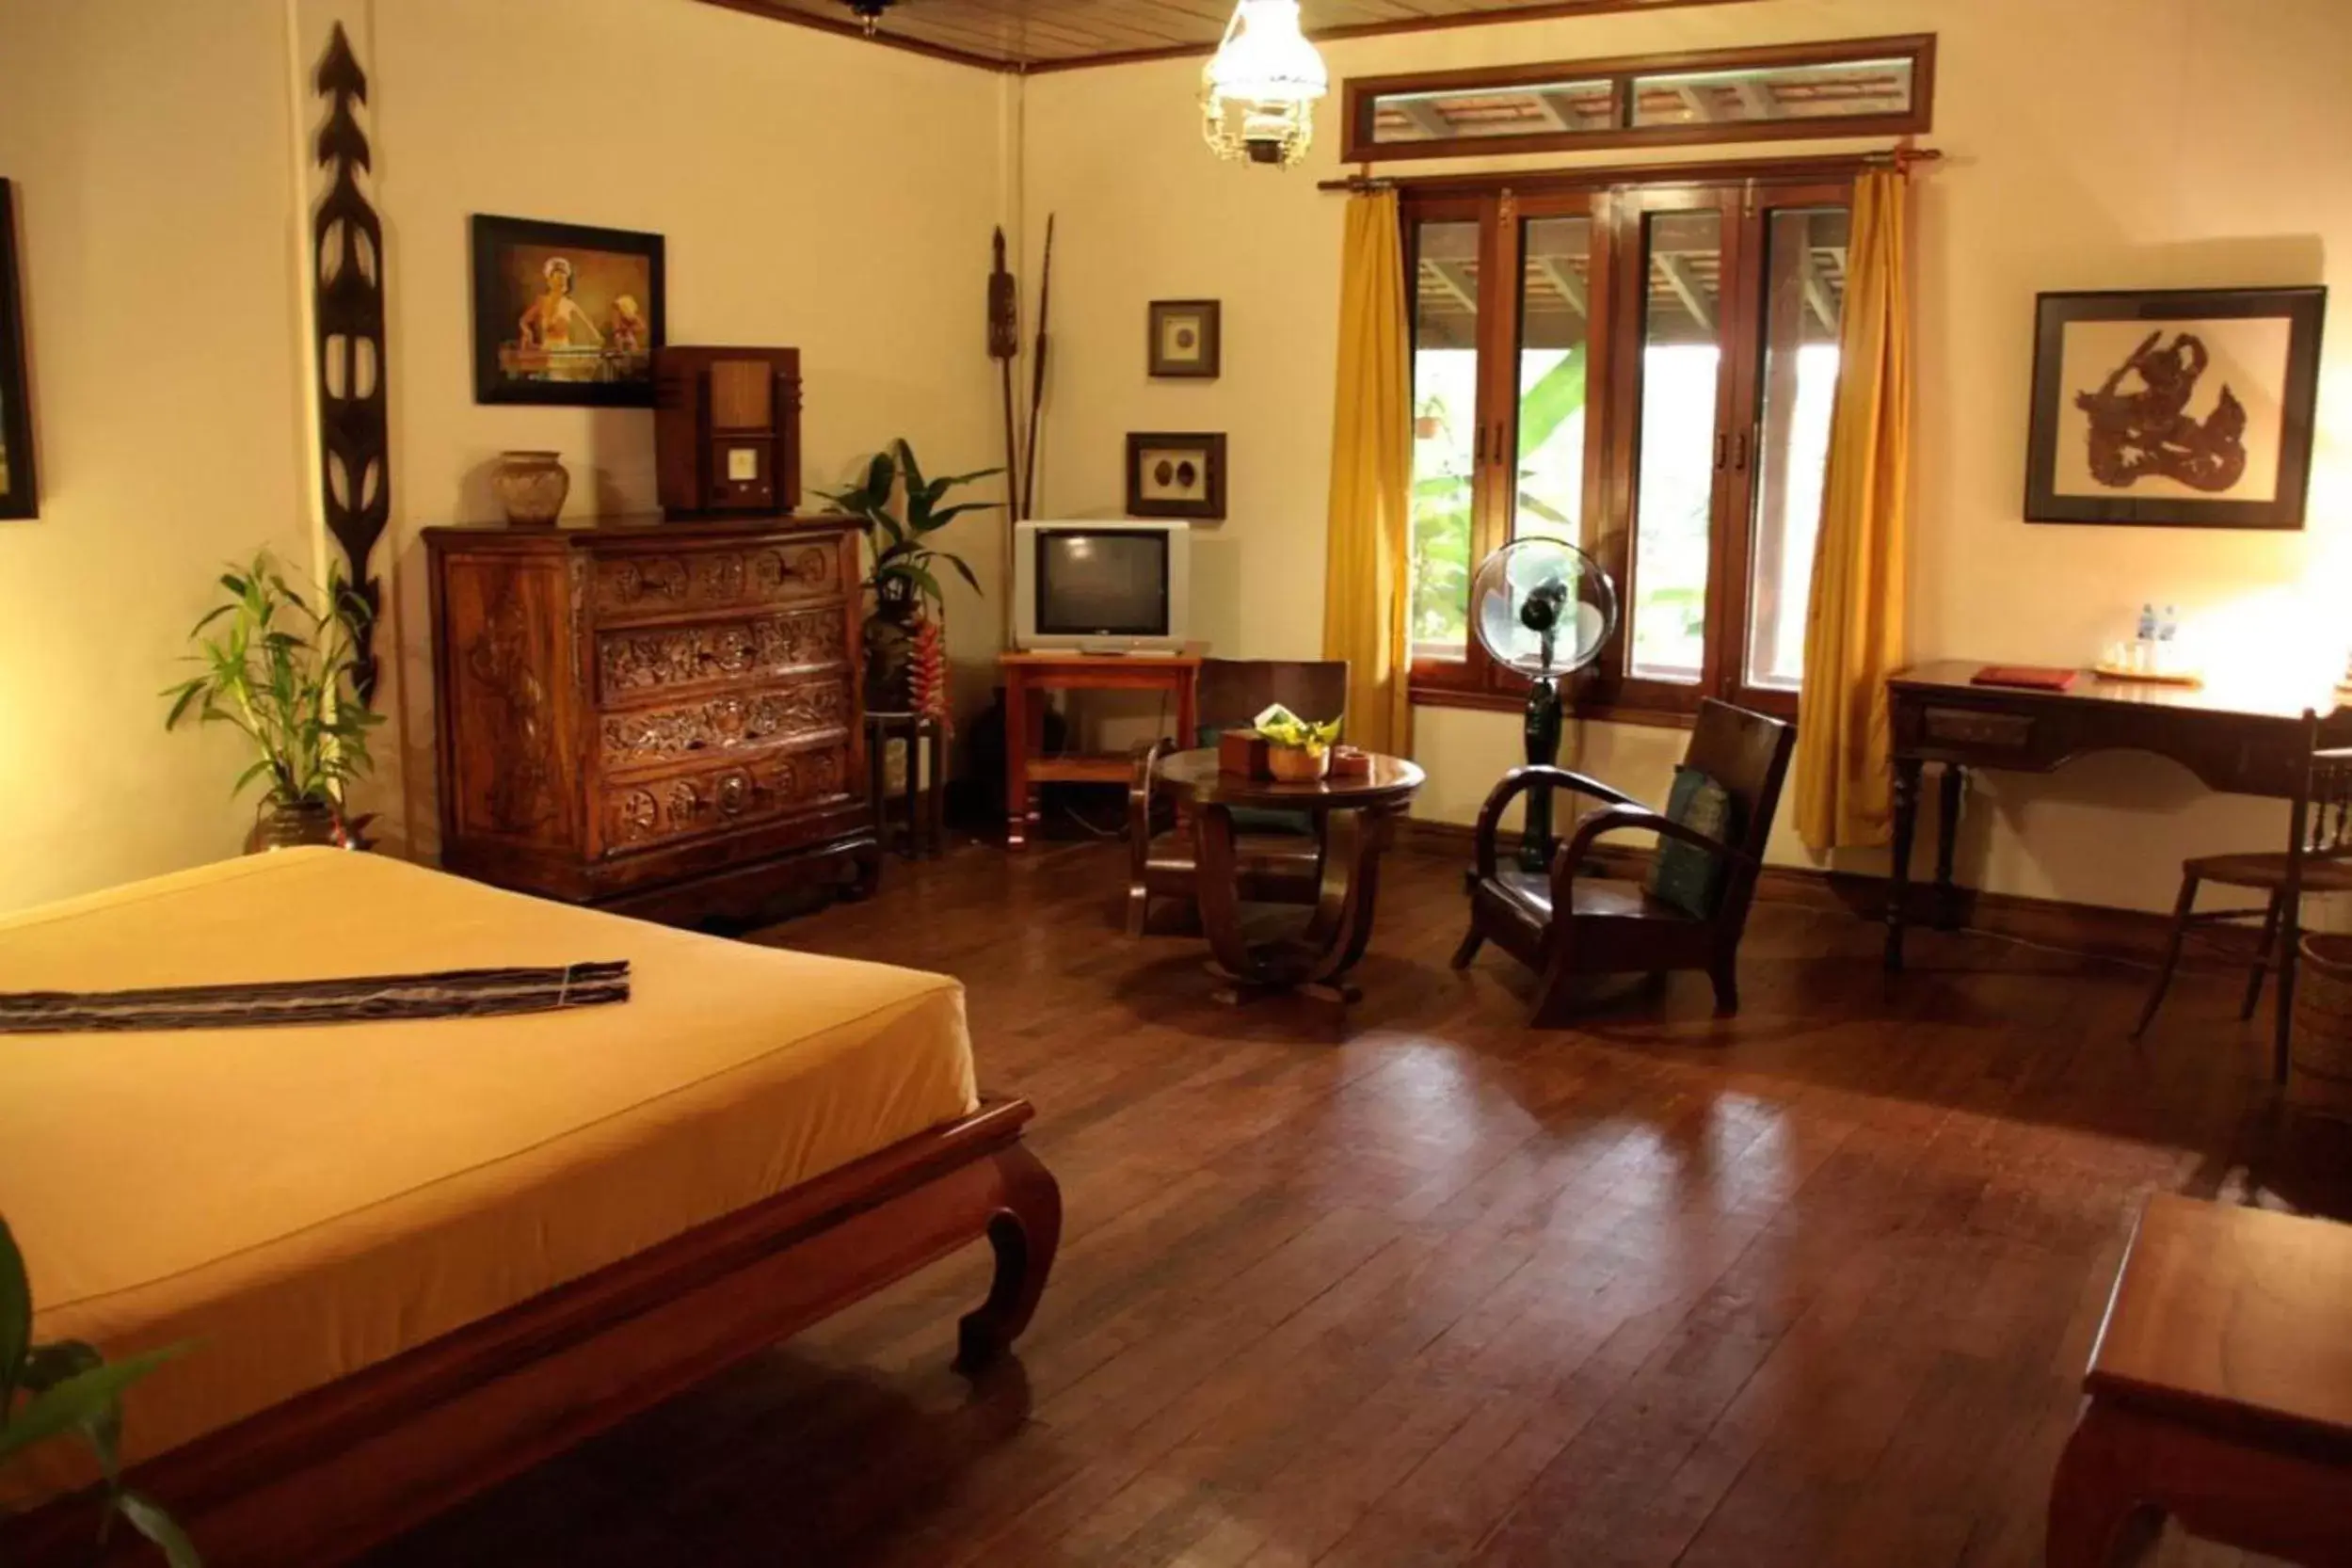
2221 1392
1034 674
2241 741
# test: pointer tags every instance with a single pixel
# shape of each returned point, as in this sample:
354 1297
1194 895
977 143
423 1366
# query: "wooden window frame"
1620 213
1360 94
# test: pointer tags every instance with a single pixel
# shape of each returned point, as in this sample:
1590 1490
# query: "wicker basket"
2320 1058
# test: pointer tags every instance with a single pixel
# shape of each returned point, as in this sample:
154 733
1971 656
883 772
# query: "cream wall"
813 190
2093 144
148 142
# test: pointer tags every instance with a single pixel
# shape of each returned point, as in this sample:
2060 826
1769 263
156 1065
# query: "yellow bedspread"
305 1202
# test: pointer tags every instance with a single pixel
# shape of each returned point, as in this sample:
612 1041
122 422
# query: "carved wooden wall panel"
348 261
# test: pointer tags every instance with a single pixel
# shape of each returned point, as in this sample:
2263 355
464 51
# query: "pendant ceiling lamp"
1258 91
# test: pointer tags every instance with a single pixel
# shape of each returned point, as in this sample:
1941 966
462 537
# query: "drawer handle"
1970 726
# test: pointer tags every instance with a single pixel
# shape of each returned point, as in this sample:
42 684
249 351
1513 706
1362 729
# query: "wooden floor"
1812 1287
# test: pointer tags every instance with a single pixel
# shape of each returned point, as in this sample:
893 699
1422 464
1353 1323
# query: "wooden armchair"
1567 924
1279 861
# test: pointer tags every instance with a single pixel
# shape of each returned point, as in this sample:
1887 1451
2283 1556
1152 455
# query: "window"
1648 373
1868 86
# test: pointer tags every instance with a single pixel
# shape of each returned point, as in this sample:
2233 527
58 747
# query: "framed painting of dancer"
2188 408
563 313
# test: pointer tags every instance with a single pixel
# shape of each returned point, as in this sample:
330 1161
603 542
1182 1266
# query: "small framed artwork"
2188 408
1186 338
1177 475
563 313
18 496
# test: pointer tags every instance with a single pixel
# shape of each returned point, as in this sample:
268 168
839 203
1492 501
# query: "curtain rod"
1901 159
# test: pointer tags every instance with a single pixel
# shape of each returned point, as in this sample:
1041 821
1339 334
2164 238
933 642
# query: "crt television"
1110 587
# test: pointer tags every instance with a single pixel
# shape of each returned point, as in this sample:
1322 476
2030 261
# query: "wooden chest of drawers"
658 717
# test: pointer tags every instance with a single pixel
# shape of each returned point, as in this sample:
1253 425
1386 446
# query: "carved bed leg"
1470 944
1025 1232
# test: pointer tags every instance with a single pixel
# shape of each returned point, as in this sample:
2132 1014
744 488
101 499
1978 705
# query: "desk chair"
2318 859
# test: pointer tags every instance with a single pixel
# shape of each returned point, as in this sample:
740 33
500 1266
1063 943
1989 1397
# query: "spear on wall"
1038 374
1004 346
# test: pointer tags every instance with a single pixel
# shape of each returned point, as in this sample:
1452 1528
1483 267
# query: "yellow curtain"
1365 573
1854 623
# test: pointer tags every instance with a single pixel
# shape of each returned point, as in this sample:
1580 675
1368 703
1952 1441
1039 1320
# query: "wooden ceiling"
1052 35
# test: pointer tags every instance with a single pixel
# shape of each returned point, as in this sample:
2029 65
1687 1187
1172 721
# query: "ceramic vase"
531 487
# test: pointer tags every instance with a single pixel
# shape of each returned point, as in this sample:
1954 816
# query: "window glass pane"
1445 424
1803 301
1848 90
1555 318
1683 254
1543 109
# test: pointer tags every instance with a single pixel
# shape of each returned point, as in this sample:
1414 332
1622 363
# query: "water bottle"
2168 653
2144 643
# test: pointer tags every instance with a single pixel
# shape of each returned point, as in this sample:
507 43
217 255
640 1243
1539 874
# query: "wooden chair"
1280 863
2318 859
1567 924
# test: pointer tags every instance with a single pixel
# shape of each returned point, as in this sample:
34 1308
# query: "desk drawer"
1975 727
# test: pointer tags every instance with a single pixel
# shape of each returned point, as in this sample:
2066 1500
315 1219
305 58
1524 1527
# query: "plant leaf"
957 562
66 1405
148 1517
16 1319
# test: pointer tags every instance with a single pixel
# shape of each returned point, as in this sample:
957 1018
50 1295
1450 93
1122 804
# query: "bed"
415 1257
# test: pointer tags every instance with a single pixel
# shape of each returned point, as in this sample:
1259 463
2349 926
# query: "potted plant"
902 574
1298 750
278 668
67 1389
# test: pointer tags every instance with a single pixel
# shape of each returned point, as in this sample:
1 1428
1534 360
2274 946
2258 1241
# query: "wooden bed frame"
325 1476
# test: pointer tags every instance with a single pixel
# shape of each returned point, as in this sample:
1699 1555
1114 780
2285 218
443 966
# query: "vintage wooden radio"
727 430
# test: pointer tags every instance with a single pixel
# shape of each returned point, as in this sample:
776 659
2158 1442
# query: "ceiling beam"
1565 281
1424 116
1455 279
1809 279
1759 100
1677 275
1701 108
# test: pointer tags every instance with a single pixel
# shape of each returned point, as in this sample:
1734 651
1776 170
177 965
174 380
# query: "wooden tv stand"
1026 766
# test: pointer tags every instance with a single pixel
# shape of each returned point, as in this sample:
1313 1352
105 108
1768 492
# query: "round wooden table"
1353 817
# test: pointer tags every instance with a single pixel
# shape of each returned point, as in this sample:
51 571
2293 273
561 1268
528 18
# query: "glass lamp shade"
1258 91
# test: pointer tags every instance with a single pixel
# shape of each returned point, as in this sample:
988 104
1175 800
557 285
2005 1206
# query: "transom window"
1647 373
1868 87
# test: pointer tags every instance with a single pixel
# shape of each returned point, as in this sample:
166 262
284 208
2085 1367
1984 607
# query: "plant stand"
922 812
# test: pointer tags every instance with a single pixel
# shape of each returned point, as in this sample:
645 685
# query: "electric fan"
1543 608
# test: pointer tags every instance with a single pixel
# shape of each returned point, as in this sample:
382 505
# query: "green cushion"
1260 819
1684 874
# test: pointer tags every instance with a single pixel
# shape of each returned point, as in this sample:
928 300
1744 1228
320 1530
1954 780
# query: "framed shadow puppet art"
18 496
2189 408
1177 476
565 315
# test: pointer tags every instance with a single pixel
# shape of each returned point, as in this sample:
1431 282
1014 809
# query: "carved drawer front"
637 586
737 721
705 800
1974 726
720 652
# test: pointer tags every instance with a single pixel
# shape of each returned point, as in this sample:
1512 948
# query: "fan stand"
1542 736
1543 729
